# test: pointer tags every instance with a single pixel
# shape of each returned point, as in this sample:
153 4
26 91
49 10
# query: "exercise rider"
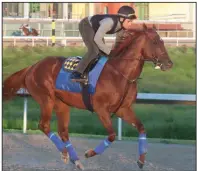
93 30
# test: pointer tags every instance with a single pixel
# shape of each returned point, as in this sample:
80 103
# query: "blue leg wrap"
55 139
142 144
102 146
71 151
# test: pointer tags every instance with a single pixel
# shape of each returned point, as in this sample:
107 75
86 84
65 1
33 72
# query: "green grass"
160 121
180 79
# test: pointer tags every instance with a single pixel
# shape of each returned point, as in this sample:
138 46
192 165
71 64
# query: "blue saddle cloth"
30 29
63 81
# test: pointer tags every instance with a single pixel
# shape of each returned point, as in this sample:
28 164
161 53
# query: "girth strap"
87 97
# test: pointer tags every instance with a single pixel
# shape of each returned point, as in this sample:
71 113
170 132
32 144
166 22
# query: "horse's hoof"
140 164
90 153
65 157
79 165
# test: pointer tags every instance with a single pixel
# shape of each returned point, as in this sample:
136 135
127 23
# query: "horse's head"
154 49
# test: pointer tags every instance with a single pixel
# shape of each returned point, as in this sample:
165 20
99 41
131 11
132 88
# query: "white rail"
65 40
79 38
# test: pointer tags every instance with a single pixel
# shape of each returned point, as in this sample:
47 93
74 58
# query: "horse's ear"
144 26
154 27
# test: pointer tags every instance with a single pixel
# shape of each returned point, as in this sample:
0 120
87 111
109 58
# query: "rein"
130 81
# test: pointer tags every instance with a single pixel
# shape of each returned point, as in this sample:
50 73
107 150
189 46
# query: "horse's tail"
13 83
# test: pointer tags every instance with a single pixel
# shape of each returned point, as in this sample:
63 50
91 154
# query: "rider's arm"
105 26
122 39
136 27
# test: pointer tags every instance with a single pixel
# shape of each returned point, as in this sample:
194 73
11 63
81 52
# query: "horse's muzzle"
166 66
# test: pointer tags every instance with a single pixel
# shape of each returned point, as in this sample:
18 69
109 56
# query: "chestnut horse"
27 32
116 91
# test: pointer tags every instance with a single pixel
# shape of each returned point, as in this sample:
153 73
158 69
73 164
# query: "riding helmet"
127 12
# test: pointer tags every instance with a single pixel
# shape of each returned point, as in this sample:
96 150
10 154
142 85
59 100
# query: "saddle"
71 63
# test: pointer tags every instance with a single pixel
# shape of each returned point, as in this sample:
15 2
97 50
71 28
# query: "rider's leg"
87 34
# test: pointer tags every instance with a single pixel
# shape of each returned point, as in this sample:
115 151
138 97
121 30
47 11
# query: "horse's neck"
130 67
129 63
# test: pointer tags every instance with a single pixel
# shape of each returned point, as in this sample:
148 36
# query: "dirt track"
37 153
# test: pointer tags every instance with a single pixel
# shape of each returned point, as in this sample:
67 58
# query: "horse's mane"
127 37
123 40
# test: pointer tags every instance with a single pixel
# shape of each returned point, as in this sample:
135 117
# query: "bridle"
154 59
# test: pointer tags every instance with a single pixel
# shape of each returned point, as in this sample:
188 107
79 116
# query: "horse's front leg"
105 118
128 115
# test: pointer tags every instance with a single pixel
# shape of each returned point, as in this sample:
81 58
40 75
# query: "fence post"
53 32
177 42
39 28
14 42
119 129
47 41
25 116
32 42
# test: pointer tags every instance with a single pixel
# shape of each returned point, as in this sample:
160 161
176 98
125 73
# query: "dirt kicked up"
37 153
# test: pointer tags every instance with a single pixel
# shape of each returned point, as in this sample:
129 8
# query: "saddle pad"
63 81
71 63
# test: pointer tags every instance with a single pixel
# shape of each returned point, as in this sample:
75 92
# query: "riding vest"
95 21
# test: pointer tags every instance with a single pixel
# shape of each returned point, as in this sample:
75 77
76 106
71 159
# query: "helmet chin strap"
121 22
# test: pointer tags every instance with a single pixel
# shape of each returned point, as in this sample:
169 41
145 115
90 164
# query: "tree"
34 7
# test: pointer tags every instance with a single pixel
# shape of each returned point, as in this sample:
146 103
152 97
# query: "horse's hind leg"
128 115
44 95
63 117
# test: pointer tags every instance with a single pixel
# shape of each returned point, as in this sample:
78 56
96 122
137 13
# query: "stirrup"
83 80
